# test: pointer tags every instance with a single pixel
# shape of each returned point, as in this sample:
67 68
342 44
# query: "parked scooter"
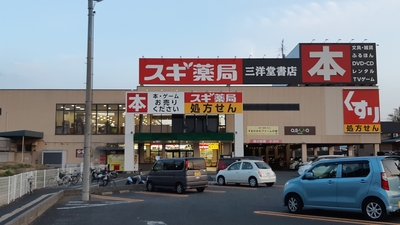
139 179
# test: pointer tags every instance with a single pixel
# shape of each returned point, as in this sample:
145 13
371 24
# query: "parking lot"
229 204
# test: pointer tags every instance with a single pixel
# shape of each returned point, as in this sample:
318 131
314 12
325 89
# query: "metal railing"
14 187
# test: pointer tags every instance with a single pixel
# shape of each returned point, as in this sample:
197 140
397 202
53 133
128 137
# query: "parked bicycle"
60 179
76 177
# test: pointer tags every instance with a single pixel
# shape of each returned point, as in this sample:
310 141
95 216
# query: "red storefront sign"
270 141
79 153
326 63
361 111
136 102
213 97
190 71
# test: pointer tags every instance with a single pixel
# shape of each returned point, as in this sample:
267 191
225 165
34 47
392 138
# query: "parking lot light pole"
88 106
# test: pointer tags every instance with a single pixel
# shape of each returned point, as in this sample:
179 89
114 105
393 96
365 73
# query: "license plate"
398 203
197 173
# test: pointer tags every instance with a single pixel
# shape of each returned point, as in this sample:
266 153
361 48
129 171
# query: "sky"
43 44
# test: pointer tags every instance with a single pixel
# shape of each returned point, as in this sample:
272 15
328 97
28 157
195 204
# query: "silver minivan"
178 174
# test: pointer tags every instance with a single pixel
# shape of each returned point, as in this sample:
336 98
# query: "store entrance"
179 153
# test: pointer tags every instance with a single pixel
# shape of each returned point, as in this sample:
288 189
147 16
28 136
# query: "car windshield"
262 165
391 166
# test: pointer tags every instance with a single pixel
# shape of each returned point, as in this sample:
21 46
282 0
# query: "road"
220 205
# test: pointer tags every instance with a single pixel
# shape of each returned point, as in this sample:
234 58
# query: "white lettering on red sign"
326 65
361 108
213 97
137 103
201 72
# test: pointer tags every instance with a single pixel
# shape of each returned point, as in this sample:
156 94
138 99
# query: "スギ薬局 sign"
190 71
213 103
184 102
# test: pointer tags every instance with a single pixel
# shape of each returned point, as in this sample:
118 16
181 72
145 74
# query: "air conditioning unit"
395 135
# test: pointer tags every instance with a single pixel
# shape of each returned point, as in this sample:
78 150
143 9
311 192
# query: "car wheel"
253 182
150 186
179 188
221 180
374 209
296 167
294 203
270 184
200 189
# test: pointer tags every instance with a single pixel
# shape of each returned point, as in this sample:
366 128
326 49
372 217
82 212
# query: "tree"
395 116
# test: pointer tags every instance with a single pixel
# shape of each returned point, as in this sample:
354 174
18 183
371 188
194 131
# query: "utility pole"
88 108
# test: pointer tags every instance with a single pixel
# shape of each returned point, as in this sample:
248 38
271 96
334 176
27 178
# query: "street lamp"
88 106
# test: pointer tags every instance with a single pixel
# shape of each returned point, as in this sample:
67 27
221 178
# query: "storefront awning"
105 148
22 133
184 136
391 140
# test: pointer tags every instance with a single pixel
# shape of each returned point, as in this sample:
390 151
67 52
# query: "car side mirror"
309 175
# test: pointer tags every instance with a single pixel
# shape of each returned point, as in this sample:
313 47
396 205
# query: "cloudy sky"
43 44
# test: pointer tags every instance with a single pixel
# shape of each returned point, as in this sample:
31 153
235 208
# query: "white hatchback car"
306 166
252 172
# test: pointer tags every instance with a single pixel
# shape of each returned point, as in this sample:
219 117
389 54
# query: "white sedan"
252 172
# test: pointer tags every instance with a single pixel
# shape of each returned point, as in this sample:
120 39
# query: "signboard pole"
129 142
239 135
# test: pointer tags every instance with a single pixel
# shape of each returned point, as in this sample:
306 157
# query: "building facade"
269 115
321 96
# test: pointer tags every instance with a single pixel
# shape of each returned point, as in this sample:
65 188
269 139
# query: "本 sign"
213 103
338 63
190 71
155 102
361 111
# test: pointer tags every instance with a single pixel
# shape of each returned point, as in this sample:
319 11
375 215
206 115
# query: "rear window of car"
391 167
196 164
228 162
262 165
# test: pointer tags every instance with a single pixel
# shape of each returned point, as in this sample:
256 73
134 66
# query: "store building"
207 108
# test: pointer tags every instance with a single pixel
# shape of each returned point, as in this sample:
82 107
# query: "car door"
232 173
353 184
168 178
321 188
245 172
156 174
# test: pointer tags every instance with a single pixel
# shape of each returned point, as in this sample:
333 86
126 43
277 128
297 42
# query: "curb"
30 215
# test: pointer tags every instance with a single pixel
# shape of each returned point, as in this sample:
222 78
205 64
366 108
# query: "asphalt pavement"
33 205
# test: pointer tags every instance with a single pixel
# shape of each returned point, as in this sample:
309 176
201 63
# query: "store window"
106 119
209 151
66 118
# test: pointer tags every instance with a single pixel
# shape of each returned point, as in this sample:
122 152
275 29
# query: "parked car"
307 165
225 162
178 174
295 163
252 172
368 184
